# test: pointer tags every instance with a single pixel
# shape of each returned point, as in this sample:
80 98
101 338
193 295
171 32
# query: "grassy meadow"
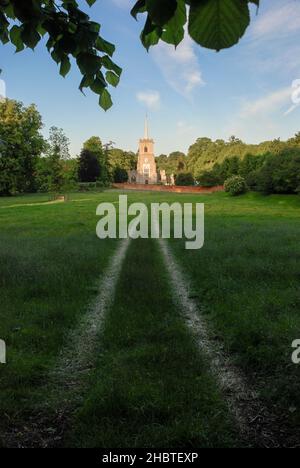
150 386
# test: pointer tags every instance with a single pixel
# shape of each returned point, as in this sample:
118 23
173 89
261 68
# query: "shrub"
236 185
185 179
280 173
208 179
120 175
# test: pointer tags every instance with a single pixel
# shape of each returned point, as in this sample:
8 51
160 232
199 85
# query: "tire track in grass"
67 382
254 421
151 388
78 356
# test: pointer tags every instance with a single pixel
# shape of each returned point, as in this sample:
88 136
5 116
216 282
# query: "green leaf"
112 78
86 82
105 46
90 2
218 24
174 30
150 34
105 100
110 65
139 7
88 63
15 37
65 66
99 84
30 36
161 11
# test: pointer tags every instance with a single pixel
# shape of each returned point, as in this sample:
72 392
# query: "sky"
191 92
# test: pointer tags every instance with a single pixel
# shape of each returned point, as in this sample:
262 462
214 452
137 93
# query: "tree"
71 33
185 179
208 179
58 152
120 175
118 158
21 144
88 168
280 173
94 145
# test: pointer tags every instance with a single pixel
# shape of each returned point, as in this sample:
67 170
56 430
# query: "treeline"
30 163
269 167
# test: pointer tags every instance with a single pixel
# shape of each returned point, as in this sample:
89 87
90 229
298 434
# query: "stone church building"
146 172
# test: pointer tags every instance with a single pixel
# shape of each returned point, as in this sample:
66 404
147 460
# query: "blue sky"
193 92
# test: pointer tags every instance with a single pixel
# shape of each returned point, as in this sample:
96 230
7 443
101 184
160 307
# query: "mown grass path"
152 387
145 379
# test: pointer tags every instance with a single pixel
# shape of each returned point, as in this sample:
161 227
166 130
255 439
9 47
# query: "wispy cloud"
180 67
151 99
273 38
278 21
270 103
261 118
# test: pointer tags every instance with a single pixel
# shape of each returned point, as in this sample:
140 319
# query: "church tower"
146 168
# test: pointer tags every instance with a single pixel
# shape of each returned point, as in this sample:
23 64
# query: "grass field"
149 385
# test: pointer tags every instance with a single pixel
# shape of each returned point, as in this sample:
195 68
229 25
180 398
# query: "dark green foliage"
280 173
120 175
215 24
21 144
208 179
89 168
70 34
185 179
236 185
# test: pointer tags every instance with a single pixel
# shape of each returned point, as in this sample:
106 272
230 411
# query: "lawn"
246 279
150 385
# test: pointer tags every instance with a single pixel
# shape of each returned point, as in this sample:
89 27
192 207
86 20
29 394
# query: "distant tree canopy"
205 153
120 163
89 168
21 143
70 33
94 144
49 173
173 164
185 179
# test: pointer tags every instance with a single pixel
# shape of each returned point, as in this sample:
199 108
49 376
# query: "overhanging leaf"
105 100
218 24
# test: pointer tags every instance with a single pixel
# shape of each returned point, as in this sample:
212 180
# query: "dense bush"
185 179
89 167
120 175
209 179
236 185
280 173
